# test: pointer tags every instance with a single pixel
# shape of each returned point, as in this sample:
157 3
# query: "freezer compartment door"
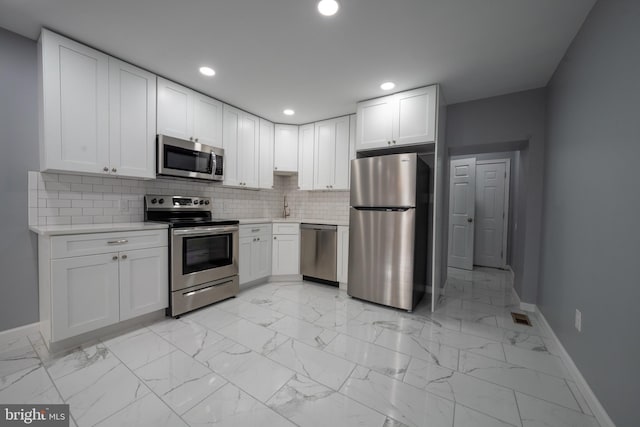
385 181
381 256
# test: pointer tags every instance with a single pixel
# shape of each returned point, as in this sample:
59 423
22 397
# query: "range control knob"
194 202
202 202
154 201
206 202
161 201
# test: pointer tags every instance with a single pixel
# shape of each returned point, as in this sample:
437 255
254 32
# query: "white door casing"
461 212
492 200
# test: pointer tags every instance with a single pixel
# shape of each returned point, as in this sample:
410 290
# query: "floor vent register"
520 319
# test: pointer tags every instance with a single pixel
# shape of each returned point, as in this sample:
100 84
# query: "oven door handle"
205 231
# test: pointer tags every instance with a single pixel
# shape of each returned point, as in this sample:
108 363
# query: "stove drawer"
103 243
189 299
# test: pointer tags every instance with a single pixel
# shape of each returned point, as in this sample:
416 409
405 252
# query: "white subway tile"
71 179
56 203
102 203
91 180
57 186
81 187
81 220
92 196
59 220
92 211
102 188
70 195
49 177
102 219
71 211
82 203
44 212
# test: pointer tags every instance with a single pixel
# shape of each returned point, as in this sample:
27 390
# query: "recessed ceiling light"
288 112
387 85
328 7
207 71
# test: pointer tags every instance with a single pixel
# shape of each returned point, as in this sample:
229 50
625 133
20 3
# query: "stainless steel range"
203 252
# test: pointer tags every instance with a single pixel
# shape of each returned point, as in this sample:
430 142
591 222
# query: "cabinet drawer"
100 243
254 230
286 228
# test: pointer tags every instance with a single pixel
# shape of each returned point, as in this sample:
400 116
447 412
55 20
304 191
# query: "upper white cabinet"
97 114
285 158
265 155
186 114
306 137
241 138
405 118
331 156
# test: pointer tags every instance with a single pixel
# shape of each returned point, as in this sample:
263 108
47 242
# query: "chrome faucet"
285 210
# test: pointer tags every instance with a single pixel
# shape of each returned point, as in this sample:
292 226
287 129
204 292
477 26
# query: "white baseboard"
20 331
594 404
524 306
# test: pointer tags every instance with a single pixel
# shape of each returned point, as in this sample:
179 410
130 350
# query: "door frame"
507 186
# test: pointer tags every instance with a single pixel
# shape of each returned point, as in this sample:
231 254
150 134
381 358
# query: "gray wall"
514 122
591 238
19 153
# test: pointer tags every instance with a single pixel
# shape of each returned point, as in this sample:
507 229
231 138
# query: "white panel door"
285 157
375 123
144 281
207 120
175 110
461 212
262 257
84 294
245 259
415 119
305 157
231 122
265 155
342 154
324 163
491 214
132 120
286 254
248 150
75 95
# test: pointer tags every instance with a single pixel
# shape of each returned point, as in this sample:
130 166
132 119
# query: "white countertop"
292 220
60 230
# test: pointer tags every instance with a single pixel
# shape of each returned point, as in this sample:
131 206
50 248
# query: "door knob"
115 257
469 219
114 170
106 169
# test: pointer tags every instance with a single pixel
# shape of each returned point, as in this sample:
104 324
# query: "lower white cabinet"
116 278
286 249
255 252
343 254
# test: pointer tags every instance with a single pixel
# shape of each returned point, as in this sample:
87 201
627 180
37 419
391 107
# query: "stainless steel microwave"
179 157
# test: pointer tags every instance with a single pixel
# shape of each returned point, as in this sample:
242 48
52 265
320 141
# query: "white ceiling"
272 54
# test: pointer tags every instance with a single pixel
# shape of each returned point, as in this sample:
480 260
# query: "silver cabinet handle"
388 142
255 230
124 257
115 257
190 138
196 139
106 169
205 231
394 141
114 170
275 238
469 219
117 242
275 168
257 239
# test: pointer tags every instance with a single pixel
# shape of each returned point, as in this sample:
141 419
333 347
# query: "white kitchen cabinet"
265 156
343 254
331 154
306 137
254 252
144 282
405 118
187 114
98 114
241 135
286 249
285 157
132 120
89 281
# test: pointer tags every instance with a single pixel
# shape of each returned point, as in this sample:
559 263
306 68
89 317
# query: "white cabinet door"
175 110
207 120
144 281
375 123
285 158
286 254
75 106
265 156
132 120
305 157
324 159
245 259
262 256
84 294
248 150
231 122
415 121
343 254
342 155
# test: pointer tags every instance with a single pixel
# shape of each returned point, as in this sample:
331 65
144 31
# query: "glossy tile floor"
284 354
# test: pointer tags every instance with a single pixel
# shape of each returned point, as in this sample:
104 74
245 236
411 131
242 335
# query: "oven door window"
206 252
187 160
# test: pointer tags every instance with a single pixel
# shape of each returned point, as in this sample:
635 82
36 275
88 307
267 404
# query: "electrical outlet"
578 320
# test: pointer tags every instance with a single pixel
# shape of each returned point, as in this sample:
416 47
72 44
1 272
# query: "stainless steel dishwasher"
318 251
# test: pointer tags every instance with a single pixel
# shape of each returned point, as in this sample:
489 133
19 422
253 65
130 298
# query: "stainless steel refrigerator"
388 229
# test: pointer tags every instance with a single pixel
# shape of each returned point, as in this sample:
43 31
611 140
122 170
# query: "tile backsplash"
76 199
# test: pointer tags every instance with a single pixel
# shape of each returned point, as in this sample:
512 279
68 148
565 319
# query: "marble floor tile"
539 413
140 349
465 417
231 407
254 313
180 381
419 347
296 310
257 338
399 401
584 406
304 331
461 341
30 385
519 378
252 372
372 356
421 373
80 358
519 339
149 411
542 362
318 365
212 318
308 403
192 338
17 355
